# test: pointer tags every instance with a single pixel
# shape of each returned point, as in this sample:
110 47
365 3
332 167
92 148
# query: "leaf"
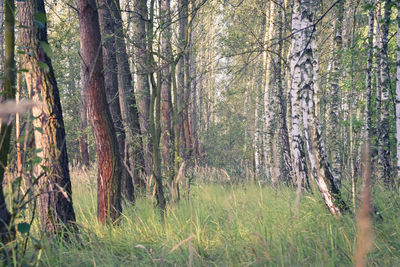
45 168
47 49
23 227
17 181
40 19
39 129
36 160
44 66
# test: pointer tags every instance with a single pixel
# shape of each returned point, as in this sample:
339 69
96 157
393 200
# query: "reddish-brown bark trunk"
109 165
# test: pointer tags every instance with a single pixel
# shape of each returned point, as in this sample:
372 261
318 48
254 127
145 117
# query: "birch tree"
333 122
297 49
303 92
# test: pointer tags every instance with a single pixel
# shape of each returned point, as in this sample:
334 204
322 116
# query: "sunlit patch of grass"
223 225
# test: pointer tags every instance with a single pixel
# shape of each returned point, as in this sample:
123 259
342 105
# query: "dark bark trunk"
286 169
129 109
110 70
183 14
5 128
142 82
384 126
55 201
193 92
155 113
109 164
166 86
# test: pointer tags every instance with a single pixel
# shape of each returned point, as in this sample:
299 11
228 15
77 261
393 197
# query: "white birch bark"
303 85
267 142
256 139
333 125
297 51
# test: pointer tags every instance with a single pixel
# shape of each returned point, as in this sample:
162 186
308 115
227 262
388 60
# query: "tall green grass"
230 225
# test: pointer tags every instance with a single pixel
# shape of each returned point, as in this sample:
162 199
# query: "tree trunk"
333 115
193 91
5 127
129 110
303 84
166 83
142 80
286 166
109 165
83 144
384 126
375 131
55 201
187 152
1 43
182 77
107 29
267 109
298 150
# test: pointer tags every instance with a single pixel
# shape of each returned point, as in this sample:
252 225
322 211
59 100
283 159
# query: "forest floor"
224 225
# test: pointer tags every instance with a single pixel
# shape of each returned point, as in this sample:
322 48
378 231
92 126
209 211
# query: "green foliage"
40 19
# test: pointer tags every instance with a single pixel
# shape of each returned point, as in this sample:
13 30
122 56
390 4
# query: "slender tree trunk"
55 201
368 82
129 110
107 29
187 81
286 168
18 125
384 127
1 44
155 112
298 46
142 80
166 86
182 80
83 143
303 85
375 131
335 74
6 126
108 15
193 90
267 116
109 164
256 135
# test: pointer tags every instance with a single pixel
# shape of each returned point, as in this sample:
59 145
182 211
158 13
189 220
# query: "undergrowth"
223 225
